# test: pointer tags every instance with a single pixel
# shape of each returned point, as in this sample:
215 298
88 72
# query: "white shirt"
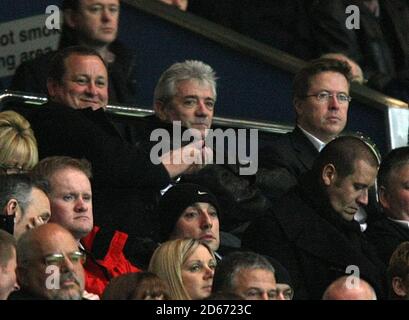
317 143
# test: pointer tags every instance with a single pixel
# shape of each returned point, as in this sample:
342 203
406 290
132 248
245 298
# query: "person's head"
188 267
398 272
24 202
49 263
356 71
284 283
247 274
188 210
78 78
321 97
92 23
18 144
8 265
349 288
136 286
70 192
345 169
393 178
186 92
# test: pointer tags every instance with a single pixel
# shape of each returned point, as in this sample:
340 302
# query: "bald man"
347 288
49 265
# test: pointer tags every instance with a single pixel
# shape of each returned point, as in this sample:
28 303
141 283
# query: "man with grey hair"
184 100
23 202
246 274
349 288
186 92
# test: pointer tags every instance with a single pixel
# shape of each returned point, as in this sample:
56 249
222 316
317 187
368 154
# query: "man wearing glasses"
49 265
321 100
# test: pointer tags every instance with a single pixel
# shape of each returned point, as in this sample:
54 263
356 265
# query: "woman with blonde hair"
188 267
17 144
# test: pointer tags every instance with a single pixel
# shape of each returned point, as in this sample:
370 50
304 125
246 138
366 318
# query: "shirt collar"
403 223
317 143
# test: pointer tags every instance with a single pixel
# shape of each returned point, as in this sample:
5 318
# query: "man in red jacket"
71 204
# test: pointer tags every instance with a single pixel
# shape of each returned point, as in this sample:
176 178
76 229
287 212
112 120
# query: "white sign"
24 39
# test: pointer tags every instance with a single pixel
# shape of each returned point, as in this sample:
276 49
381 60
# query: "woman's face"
197 273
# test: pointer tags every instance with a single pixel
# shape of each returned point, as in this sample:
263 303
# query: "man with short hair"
8 265
49 265
184 99
312 230
23 202
321 100
393 226
247 274
186 92
349 288
74 124
94 24
71 206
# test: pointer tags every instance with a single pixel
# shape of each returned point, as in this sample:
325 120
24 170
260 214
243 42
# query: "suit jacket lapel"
305 151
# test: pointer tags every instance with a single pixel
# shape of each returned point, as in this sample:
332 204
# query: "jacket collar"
304 149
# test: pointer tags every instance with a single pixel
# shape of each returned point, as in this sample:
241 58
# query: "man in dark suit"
312 230
393 228
74 124
321 100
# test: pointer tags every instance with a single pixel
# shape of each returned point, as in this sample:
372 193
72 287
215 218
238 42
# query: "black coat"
283 163
386 235
122 173
380 45
239 199
314 243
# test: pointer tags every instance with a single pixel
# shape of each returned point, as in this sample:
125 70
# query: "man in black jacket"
186 93
393 228
94 24
74 124
312 230
379 43
321 100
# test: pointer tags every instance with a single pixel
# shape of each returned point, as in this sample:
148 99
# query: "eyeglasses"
324 96
57 259
4 169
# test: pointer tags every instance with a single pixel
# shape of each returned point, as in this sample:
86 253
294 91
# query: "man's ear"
383 197
52 87
11 207
329 174
297 103
70 18
398 287
160 110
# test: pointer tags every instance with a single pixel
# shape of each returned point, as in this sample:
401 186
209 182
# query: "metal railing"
136 111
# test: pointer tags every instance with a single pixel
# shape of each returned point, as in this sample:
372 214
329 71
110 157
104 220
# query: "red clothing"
98 271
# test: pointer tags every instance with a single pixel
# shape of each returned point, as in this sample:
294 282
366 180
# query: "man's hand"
181 4
187 159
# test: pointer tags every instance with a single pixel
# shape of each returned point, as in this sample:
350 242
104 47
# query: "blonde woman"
188 267
17 144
